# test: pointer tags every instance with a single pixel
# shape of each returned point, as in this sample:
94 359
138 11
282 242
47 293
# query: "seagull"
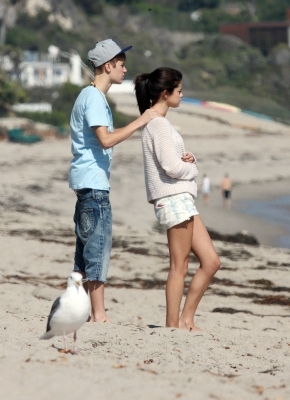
69 311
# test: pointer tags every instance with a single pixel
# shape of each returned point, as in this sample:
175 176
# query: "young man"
93 137
226 189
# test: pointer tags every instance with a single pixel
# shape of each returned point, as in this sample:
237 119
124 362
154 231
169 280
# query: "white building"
47 70
32 107
41 73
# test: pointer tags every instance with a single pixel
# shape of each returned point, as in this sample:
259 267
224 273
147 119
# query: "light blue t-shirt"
91 164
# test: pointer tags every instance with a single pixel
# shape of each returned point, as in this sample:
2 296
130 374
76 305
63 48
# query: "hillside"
217 68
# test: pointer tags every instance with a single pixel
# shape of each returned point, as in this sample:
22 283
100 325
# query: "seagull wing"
54 308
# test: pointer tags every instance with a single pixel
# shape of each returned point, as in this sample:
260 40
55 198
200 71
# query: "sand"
244 348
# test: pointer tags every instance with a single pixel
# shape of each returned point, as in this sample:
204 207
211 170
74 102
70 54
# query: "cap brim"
124 50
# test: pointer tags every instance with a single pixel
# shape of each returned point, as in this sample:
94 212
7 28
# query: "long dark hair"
148 87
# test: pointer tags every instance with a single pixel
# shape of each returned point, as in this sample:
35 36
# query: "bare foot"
189 326
195 329
97 319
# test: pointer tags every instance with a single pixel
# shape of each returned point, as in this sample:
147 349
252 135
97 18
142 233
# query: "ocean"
275 212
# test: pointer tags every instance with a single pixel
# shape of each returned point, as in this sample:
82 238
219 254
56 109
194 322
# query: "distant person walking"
170 174
226 189
205 189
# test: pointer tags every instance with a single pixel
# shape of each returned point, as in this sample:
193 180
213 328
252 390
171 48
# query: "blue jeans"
93 228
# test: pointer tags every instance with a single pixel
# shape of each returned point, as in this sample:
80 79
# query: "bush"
62 99
271 10
211 19
90 7
119 118
10 93
55 118
23 34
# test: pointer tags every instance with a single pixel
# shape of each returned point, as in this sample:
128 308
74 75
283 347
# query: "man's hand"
148 115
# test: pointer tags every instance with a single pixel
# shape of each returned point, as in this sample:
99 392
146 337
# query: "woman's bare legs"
203 249
179 242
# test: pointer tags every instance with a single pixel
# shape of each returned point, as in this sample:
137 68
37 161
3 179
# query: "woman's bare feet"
100 319
188 326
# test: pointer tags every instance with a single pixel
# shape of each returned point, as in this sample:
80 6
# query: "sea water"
275 212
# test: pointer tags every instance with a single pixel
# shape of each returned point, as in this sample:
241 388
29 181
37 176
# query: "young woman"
170 174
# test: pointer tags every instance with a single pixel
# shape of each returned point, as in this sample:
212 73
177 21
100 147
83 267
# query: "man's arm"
109 139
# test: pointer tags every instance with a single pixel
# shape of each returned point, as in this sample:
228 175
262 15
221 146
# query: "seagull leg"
74 346
64 342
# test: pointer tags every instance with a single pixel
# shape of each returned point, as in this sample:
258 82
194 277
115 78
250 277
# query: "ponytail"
142 92
148 87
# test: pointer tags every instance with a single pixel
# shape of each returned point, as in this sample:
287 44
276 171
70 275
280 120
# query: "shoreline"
261 192
237 220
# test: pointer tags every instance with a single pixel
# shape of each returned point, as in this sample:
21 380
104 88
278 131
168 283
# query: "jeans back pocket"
87 222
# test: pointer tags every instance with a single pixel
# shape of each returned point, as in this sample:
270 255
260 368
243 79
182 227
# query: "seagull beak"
79 283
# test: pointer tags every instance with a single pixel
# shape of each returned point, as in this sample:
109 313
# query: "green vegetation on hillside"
10 93
224 69
62 100
37 33
217 68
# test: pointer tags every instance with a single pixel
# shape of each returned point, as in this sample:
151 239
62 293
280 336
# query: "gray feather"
54 308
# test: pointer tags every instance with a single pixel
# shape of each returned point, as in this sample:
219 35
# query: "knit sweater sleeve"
166 152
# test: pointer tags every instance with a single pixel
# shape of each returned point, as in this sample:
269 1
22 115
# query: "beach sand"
243 351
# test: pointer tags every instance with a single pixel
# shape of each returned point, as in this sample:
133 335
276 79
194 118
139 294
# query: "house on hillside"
264 35
48 70
37 72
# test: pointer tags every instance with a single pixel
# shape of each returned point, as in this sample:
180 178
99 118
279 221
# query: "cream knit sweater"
165 173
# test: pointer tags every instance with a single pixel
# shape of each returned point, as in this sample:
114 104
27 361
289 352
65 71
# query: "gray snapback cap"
104 51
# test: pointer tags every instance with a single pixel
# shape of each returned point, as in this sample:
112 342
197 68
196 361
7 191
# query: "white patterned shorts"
172 210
